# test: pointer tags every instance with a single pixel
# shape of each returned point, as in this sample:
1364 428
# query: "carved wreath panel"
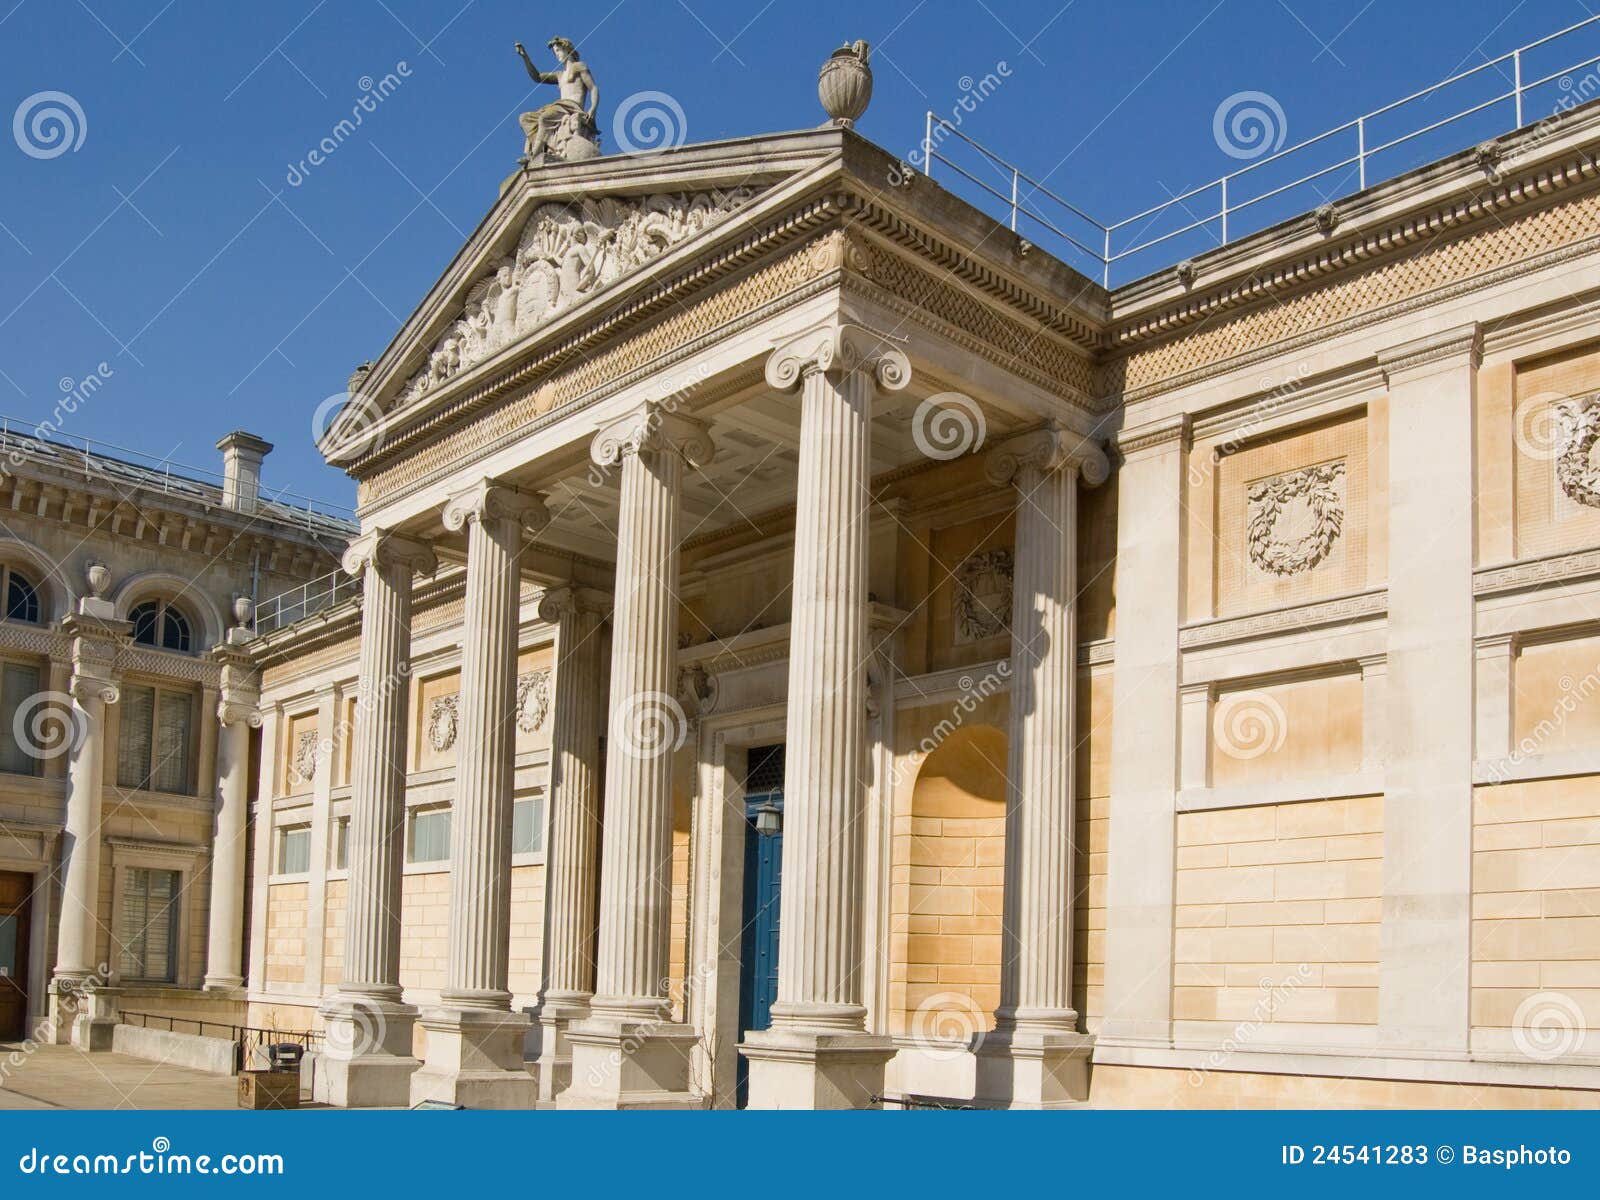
533 700
1577 433
567 253
983 584
304 762
1294 519
443 720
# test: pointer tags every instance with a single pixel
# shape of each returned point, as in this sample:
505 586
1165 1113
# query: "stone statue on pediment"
563 130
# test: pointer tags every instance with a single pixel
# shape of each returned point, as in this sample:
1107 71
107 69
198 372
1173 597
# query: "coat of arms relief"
1293 520
983 585
306 753
567 252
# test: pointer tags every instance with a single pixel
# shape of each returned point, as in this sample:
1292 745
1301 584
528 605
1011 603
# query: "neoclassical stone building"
127 701
816 649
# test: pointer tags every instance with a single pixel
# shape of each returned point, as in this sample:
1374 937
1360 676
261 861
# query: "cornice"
1154 434
1316 614
1462 343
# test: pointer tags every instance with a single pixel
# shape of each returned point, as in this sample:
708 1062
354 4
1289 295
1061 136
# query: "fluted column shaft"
378 766
645 725
480 840
1036 953
636 903
571 864
819 953
820 982
80 873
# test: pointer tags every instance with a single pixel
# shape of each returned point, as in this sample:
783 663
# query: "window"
341 844
149 933
430 835
527 826
158 623
294 850
19 749
153 739
21 596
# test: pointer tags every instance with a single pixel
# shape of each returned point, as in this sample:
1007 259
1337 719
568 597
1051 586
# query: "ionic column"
368 1062
817 1053
238 712
629 1047
571 863
1036 1052
79 972
474 1040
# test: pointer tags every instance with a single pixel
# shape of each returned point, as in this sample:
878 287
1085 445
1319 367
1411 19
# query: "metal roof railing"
1223 209
24 441
310 598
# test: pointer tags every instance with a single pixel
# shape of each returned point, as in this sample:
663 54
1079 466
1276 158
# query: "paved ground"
61 1077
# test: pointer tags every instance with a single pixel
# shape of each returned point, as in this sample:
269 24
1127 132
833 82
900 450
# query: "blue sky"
172 246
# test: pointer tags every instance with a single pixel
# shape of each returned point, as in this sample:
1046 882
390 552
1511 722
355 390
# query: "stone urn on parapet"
563 130
844 84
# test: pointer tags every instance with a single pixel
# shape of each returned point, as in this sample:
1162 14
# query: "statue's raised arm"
564 129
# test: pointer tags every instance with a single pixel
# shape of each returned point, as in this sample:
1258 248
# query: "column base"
816 1069
474 1059
630 1063
557 1015
95 1025
366 1061
1034 1068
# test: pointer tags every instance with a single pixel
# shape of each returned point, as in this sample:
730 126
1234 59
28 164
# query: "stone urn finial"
845 84
244 611
98 576
358 379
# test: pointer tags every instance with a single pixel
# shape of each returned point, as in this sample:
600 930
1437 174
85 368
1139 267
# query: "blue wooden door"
763 869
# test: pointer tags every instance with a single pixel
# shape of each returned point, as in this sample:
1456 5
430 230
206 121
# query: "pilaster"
237 712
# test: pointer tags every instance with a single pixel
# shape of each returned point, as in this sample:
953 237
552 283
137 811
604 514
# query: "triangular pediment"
561 243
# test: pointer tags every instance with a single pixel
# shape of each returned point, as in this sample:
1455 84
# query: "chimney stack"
241 470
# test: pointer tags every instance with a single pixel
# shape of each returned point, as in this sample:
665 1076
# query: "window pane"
527 826
144 618
22 600
294 851
136 712
172 743
149 924
430 835
17 684
175 631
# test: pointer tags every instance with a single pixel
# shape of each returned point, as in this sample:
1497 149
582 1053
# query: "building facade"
816 649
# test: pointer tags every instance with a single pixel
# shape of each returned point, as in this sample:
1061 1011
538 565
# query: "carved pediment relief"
983 584
568 251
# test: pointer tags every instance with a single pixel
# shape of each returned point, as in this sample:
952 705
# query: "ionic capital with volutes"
1047 449
383 549
838 347
652 427
490 500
